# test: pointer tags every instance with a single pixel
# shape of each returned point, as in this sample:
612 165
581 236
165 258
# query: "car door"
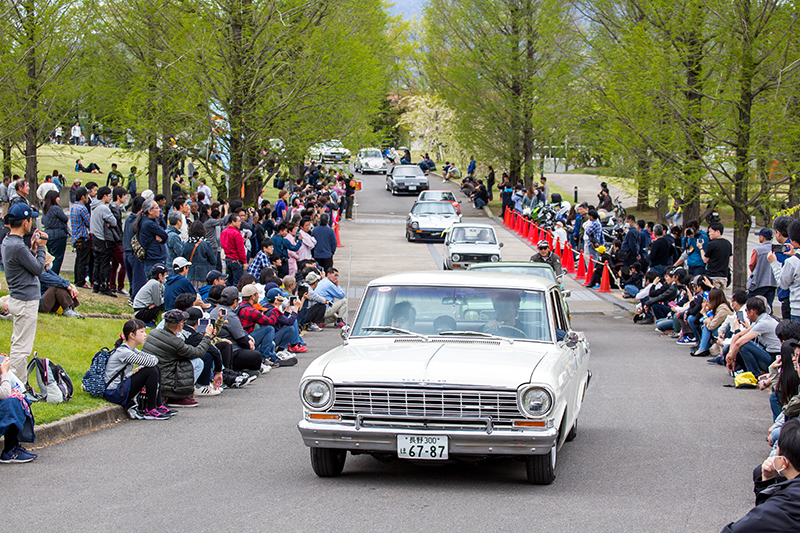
571 362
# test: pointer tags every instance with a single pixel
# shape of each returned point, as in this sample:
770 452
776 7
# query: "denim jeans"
660 310
632 290
754 358
665 324
479 203
775 404
692 321
57 247
705 339
698 270
658 269
263 338
134 269
287 336
197 367
235 272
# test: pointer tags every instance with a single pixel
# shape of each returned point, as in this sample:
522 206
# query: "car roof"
406 166
465 278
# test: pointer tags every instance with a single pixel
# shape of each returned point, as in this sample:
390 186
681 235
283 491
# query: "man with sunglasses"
546 255
777 488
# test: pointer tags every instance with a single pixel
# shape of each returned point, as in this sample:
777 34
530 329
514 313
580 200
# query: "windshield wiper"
393 329
477 334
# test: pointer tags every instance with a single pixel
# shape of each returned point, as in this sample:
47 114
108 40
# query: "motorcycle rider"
545 255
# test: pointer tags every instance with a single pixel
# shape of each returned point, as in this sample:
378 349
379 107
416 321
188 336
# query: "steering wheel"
512 328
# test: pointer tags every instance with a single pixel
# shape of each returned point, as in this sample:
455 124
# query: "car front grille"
475 258
426 403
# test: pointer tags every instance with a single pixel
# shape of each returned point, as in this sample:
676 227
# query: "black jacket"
777 509
631 243
665 293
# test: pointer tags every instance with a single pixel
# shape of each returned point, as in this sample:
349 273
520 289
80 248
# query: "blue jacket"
50 278
326 242
471 167
576 232
176 284
156 251
644 242
694 259
631 244
282 245
55 223
203 292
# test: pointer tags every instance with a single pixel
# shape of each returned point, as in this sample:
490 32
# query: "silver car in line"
370 160
445 366
406 178
430 220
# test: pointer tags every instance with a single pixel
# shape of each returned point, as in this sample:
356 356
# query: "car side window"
557 313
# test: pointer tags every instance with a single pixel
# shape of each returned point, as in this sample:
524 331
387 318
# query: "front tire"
572 432
328 462
408 236
541 469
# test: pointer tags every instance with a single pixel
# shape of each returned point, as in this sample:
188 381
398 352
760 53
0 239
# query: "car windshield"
473 235
433 208
543 271
437 196
411 172
453 311
371 153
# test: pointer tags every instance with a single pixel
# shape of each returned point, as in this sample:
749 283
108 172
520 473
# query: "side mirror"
500 245
571 340
567 293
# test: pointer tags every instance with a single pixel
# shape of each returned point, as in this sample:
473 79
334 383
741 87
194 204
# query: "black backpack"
55 385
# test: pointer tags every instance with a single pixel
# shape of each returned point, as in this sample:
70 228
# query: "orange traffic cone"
506 217
549 239
336 232
532 238
568 259
581 267
526 227
518 229
605 281
589 272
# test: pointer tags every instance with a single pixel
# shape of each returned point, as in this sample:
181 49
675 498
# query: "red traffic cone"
506 217
535 238
526 227
557 247
336 232
518 229
589 272
581 267
549 239
568 259
605 281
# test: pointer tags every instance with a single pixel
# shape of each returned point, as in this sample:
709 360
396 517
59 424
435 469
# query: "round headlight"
495 258
415 225
455 257
317 394
536 401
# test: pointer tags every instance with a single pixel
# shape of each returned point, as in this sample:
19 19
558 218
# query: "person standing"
116 280
326 242
350 197
76 134
101 223
133 267
205 189
762 280
55 223
45 188
781 227
717 256
630 245
788 273
22 270
545 189
4 195
660 251
151 236
232 244
471 167
490 183
81 238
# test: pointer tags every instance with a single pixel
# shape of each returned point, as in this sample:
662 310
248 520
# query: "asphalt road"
661 447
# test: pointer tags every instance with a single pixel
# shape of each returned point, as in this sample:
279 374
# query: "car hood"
454 362
437 220
371 160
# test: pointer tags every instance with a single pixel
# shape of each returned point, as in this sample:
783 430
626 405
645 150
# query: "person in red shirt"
232 243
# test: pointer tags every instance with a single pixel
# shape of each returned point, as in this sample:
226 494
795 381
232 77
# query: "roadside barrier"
581 267
336 232
568 259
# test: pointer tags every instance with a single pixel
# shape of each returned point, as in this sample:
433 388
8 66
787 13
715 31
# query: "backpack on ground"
55 385
94 380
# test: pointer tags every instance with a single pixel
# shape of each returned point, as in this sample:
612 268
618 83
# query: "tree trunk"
152 163
166 174
693 170
6 146
32 94
743 117
642 182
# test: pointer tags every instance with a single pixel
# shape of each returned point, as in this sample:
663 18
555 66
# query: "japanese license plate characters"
422 447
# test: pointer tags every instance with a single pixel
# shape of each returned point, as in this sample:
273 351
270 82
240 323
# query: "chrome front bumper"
365 439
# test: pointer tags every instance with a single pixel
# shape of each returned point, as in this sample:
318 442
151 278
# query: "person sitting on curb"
287 332
755 348
210 381
545 255
777 488
57 292
329 289
178 284
16 419
244 355
180 363
149 301
120 372
715 310
317 304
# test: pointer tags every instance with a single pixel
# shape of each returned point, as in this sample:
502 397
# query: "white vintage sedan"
430 220
449 366
469 243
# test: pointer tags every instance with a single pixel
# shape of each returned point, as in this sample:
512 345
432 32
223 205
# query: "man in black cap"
214 277
762 280
180 363
22 276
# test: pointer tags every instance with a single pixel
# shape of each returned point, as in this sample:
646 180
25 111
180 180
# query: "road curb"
76 425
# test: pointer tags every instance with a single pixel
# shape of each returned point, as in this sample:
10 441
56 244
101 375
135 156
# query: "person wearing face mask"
777 488
630 245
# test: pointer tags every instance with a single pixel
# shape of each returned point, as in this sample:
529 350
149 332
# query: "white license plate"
421 447
412 187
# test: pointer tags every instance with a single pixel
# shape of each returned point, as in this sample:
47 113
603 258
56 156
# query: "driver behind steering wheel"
506 305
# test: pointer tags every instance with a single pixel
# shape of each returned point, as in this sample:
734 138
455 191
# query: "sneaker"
16 455
287 361
182 402
339 324
314 327
675 335
298 348
123 292
71 313
155 414
20 448
108 292
166 410
241 381
685 341
206 390
134 413
265 368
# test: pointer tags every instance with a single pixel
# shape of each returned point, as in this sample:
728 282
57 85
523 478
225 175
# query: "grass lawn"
72 343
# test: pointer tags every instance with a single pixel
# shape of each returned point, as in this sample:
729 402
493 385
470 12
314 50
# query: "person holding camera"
717 256
23 269
762 280
787 274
